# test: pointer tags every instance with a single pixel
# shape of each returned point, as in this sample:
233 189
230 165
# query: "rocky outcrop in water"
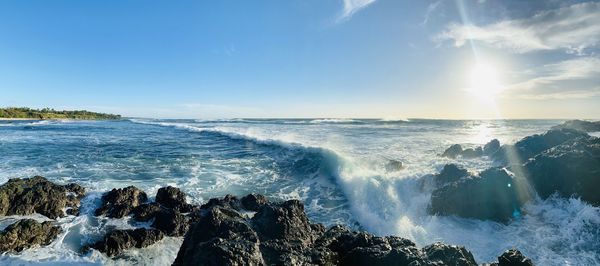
120 202
281 234
582 125
38 195
457 150
173 198
570 169
530 146
115 242
512 257
493 195
27 233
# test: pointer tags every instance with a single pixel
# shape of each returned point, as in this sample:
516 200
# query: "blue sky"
303 58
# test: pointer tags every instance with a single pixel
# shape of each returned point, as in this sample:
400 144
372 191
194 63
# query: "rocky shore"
224 231
251 230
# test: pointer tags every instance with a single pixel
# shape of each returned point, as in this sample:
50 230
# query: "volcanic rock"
117 241
38 195
27 233
118 203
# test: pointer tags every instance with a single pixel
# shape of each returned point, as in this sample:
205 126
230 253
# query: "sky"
463 59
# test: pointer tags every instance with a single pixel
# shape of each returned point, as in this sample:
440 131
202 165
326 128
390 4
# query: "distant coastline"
25 113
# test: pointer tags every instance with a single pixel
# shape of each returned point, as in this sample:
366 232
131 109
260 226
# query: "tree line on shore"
49 113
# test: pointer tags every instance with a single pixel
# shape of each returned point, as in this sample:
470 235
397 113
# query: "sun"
484 82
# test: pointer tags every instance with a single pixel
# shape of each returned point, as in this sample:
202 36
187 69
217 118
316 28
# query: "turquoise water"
337 167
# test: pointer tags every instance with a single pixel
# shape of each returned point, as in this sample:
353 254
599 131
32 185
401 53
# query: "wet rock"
146 212
570 169
118 203
471 153
27 233
491 147
253 202
229 201
286 220
530 146
221 237
513 257
453 151
582 125
449 255
492 195
38 195
281 234
450 173
393 166
117 241
171 222
173 198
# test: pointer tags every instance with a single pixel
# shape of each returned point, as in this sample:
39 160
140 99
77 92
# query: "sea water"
337 167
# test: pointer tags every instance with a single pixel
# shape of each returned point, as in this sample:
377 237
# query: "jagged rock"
491 147
570 169
449 255
27 233
117 241
118 203
530 146
280 234
229 201
492 195
221 237
253 202
450 173
513 257
585 126
173 198
146 211
171 222
286 221
453 151
38 195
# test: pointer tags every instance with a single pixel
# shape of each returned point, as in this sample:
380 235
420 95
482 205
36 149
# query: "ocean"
337 167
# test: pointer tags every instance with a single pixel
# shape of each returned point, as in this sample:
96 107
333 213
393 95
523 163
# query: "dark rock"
514 257
117 241
450 173
472 153
530 146
453 151
281 234
229 201
173 198
221 237
118 203
253 202
146 212
491 147
27 233
38 195
585 126
491 195
171 222
286 220
449 255
570 169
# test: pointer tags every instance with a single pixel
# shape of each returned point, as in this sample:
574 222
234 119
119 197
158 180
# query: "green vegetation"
47 113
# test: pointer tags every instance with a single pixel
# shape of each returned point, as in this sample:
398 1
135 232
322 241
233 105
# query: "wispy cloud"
573 28
430 9
353 6
574 78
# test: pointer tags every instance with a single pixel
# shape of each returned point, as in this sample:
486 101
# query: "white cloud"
352 6
574 78
573 28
